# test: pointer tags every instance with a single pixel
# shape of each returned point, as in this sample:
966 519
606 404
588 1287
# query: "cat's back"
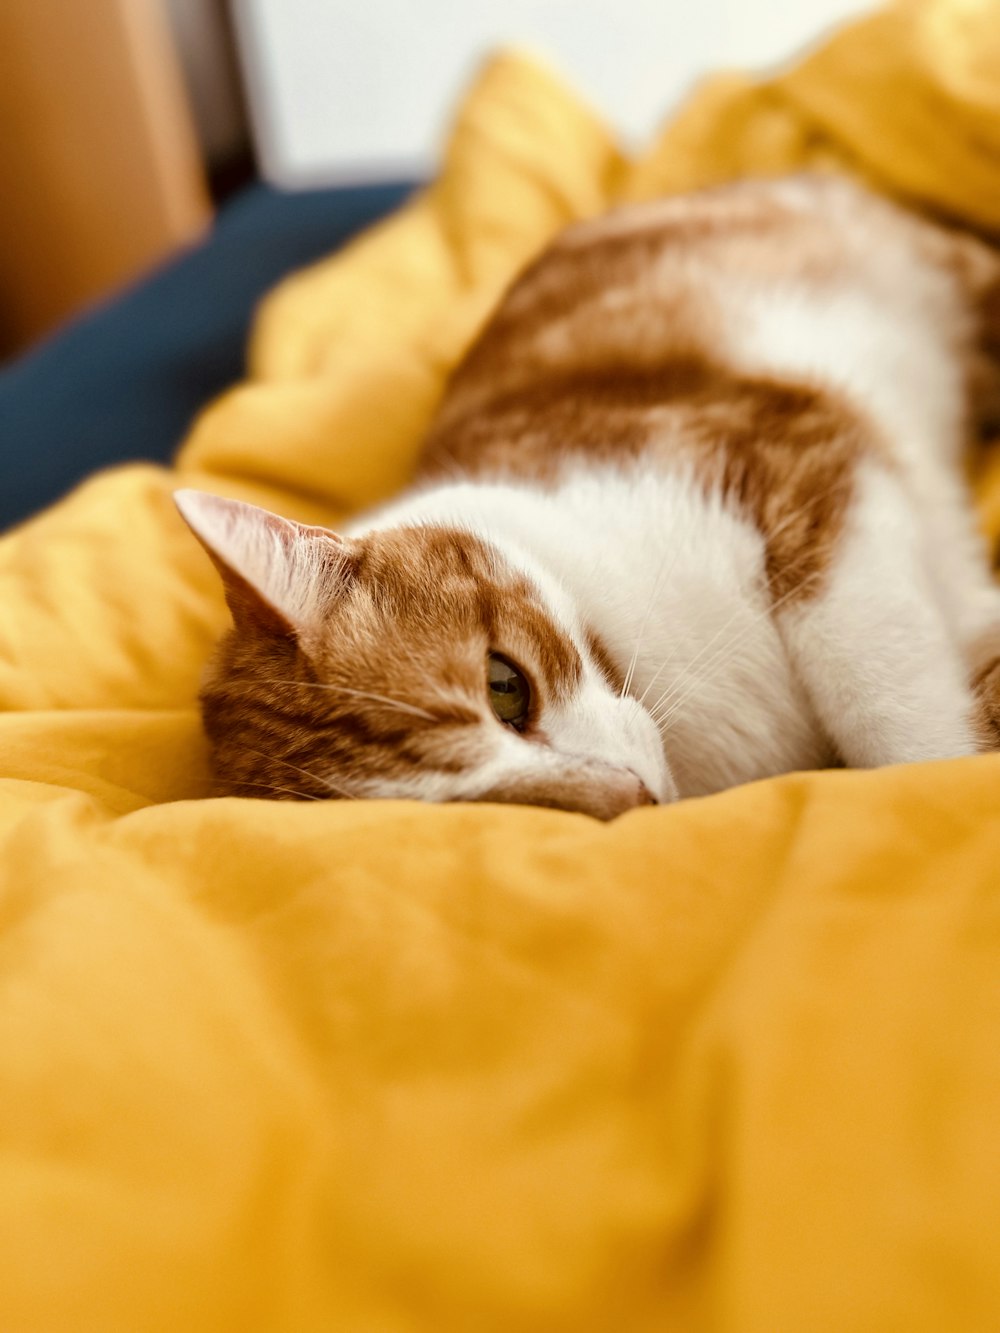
680 320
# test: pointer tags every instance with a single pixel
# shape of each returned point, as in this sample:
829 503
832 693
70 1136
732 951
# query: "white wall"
353 88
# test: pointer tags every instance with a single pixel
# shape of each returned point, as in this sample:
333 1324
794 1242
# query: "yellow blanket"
732 1065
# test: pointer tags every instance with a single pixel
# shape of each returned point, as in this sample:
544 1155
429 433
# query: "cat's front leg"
873 644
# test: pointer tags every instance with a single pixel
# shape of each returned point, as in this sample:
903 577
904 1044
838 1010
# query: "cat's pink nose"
619 793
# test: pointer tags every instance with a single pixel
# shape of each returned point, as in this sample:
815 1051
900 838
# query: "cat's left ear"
279 576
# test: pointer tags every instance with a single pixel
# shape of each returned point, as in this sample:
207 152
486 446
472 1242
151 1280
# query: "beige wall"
100 167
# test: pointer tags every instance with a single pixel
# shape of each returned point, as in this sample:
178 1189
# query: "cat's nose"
615 796
642 796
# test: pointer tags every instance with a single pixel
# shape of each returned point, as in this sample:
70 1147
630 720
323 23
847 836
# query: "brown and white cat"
692 513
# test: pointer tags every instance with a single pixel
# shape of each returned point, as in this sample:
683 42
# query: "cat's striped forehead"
442 597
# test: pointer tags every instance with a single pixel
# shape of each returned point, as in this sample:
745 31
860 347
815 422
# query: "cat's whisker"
673 653
660 577
273 786
795 514
776 532
663 705
662 715
328 783
783 526
690 666
661 668
703 651
386 699
789 519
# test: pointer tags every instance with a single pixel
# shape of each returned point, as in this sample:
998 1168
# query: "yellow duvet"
731 1065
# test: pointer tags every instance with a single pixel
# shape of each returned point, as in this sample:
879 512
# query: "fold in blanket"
374 1066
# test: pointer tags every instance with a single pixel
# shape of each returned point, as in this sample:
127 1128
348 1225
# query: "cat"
692 512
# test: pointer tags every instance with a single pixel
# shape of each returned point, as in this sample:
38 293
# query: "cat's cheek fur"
597 727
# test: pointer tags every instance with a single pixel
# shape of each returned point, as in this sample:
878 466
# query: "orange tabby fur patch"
354 689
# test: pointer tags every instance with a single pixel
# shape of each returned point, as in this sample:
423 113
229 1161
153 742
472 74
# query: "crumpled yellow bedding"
731 1065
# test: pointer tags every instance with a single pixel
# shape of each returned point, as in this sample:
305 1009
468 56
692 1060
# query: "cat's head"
413 662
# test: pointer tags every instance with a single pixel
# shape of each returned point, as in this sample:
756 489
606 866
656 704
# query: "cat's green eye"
510 693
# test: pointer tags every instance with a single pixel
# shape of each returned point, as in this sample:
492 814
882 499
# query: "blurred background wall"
358 87
124 122
203 33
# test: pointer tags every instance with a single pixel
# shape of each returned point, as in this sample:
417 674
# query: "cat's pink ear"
279 576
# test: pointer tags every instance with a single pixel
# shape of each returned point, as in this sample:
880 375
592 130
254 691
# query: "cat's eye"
510 693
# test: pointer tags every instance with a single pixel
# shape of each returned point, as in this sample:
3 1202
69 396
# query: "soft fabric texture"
727 1065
